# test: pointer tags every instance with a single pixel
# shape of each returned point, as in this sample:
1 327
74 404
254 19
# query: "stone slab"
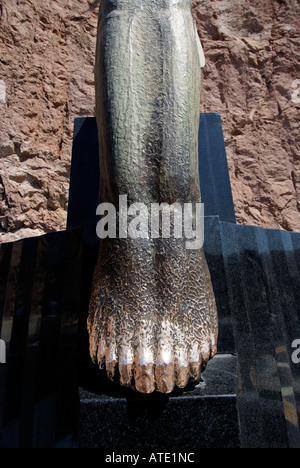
204 416
263 283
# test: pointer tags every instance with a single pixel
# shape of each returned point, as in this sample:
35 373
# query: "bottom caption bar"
136 457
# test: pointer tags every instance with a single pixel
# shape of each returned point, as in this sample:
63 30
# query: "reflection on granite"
40 291
262 274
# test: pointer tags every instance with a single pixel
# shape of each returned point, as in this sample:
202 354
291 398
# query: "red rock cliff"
252 78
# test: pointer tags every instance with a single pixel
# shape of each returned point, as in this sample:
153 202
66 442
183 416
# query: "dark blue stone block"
84 179
205 416
39 323
213 169
214 256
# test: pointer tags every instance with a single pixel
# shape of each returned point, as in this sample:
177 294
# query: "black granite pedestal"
255 274
51 395
40 285
200 417
110 418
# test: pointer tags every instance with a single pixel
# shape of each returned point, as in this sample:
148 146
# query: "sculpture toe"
181 367
182 377
144 378
101 350
195 360
126 374
126 363
195 371
111 361
165 375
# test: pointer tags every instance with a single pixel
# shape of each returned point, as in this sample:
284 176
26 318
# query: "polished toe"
93 342
111 362
111 367
126 363
101 351
195 360
181 367
165 377
206 355
126 374
144 378
182 377
195 371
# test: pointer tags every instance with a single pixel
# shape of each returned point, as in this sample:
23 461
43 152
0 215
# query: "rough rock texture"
252 51
46 64
252 78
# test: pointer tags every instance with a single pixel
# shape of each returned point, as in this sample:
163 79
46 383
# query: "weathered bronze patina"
152 319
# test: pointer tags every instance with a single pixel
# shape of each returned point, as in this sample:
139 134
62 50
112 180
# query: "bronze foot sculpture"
152 319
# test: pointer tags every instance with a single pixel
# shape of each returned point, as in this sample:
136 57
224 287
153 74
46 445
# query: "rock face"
46 70
252 78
